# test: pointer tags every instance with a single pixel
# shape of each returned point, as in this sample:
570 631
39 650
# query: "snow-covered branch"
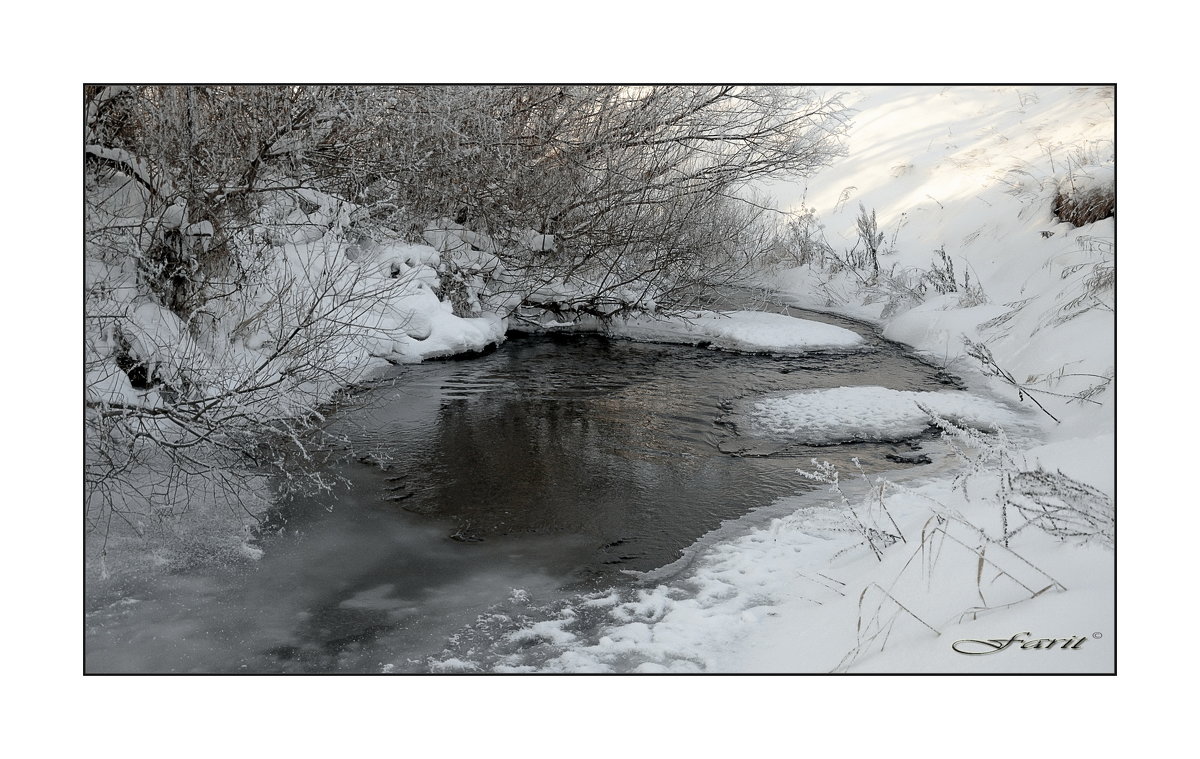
154 181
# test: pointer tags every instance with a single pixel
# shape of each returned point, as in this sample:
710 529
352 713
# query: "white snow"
738 331
550 630
106 383
538 242
838 415
449 237
802 594
440 333
160 339
174 216
745 331
201 232
161 185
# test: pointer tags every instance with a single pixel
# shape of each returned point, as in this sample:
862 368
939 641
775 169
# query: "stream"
488 488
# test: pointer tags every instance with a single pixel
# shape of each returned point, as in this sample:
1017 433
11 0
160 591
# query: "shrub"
1079 208
1088 193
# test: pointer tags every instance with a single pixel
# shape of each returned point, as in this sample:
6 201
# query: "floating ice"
747 331
842 414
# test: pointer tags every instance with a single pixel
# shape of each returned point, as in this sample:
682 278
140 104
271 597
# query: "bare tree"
627 180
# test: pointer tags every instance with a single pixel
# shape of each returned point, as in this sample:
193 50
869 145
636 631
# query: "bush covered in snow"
1087 194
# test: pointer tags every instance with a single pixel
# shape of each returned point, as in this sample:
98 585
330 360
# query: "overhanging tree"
192 192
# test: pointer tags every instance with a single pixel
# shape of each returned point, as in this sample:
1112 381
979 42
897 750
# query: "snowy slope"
973 171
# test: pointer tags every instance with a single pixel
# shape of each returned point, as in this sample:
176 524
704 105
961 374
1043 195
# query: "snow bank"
974 171
790 595
444 334
843 414
745 331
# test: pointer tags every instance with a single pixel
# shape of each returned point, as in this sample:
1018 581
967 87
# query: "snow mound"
428 328
746 331
843 414
450 335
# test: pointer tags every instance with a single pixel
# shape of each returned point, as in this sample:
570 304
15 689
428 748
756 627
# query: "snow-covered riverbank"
1006 540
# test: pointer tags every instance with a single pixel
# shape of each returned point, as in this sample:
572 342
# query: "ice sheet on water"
748 331
841 414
